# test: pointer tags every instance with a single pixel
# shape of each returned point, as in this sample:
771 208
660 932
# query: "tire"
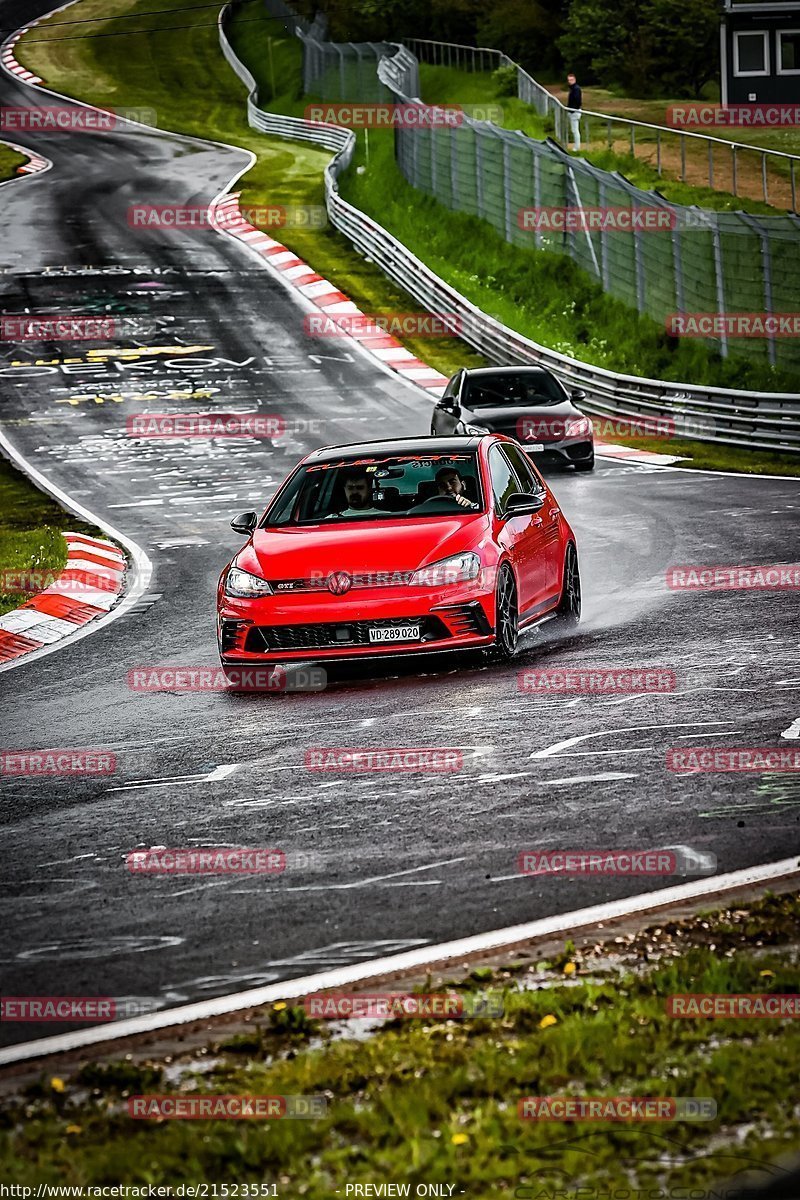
588 465
506 616
568 613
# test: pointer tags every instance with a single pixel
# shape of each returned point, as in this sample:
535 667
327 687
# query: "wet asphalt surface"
398 860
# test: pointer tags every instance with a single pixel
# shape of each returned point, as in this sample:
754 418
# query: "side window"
504 478
524 471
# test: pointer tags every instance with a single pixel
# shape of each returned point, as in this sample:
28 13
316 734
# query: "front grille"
323 636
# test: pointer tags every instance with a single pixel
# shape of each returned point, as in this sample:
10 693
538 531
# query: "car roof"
473 372
419 445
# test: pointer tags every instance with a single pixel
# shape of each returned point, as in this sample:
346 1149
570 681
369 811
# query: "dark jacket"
575 97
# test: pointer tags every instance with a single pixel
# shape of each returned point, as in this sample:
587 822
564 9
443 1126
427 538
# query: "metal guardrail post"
733 167
604 263
478 169
342 85
764 177
683 158
507 190
711 165
431 139
677 267
719 279
794 190
658 151
766 275
641 298
537 194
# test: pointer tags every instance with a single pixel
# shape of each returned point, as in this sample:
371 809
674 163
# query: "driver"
358 494
449 483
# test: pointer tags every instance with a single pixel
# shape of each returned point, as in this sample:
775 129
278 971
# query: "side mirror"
451 406
245 523
577 394
519 503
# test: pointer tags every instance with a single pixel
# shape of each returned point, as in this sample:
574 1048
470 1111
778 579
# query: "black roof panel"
415 445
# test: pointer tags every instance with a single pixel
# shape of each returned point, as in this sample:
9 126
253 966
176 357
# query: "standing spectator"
574 103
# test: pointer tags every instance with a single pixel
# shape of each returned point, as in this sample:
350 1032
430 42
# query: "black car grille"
329 634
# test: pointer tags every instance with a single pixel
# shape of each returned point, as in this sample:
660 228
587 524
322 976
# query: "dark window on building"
789 51
750 53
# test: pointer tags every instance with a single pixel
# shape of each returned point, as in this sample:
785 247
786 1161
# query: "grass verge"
10 162
435 1100
30 531
707 456
182 75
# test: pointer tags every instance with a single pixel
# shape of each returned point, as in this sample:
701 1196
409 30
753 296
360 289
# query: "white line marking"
793 731
406 962
554 750
590 778
169 780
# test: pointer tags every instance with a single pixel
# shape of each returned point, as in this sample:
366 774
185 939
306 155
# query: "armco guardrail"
765 420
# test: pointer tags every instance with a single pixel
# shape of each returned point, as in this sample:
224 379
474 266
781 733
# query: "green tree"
685 44
648 47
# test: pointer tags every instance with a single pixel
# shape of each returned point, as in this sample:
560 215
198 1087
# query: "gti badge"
339 582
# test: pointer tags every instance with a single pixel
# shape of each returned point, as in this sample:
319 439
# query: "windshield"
531 389
379 488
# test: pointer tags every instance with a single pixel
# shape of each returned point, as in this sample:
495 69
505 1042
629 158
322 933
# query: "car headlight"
476 429
460 568
581 428
243 584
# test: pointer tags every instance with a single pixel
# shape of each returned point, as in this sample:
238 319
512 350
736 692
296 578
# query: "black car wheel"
506 637
568 613
586 465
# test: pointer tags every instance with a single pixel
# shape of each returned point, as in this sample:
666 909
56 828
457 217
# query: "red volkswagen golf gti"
399 547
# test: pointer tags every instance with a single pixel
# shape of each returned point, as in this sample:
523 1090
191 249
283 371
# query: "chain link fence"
680 260
344 70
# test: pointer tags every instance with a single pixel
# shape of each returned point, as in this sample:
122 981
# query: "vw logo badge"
339 582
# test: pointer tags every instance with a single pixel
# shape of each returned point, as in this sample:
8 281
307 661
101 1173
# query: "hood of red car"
395 545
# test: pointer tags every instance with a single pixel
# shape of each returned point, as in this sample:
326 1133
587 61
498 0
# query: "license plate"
534 447
395 633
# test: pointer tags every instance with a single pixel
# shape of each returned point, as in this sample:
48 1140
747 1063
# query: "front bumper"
564 453
304 627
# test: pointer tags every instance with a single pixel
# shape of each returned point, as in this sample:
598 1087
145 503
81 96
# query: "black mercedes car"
526 403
